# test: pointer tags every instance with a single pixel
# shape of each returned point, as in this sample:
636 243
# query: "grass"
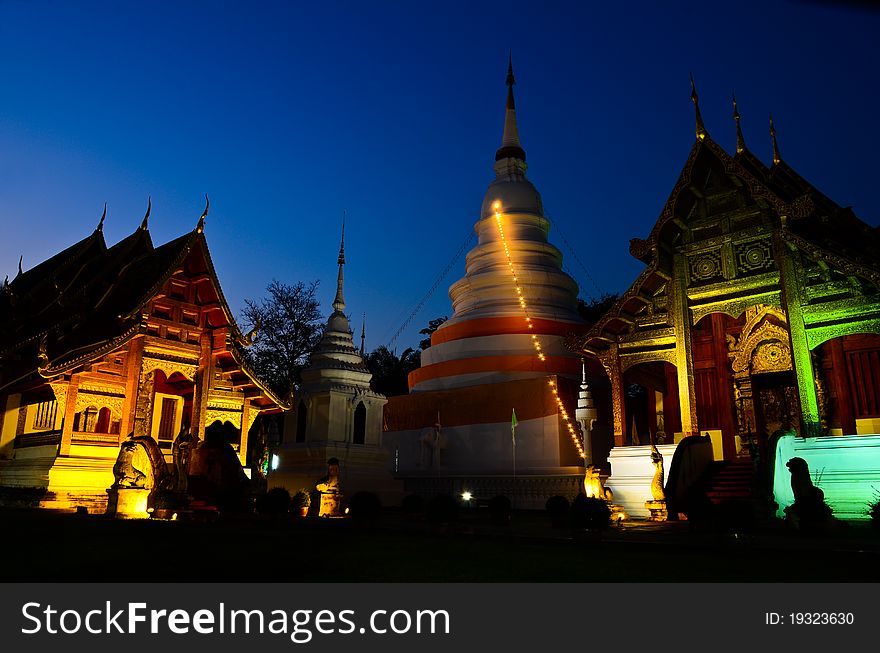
46 546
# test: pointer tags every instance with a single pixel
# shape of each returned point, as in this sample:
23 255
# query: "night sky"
289 113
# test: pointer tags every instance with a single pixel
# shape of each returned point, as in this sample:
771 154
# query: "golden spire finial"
363 334
701 129
200 227
100 226
147 214
740 141
776 157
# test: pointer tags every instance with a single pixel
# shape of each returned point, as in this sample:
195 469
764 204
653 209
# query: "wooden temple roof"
88 300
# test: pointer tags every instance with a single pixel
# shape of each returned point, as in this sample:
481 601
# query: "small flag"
513 423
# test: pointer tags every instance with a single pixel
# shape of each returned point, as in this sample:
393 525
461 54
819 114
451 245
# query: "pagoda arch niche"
359 435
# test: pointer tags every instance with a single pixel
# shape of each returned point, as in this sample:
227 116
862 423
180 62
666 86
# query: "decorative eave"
588 343
803 206
196 237
238 356
839 261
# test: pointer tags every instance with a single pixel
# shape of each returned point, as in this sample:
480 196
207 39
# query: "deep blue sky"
288 113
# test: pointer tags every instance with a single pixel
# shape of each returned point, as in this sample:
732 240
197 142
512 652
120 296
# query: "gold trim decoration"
168 367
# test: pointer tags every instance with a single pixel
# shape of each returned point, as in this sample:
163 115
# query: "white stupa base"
631 474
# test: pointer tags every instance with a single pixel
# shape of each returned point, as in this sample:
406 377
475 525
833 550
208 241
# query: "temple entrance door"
776 403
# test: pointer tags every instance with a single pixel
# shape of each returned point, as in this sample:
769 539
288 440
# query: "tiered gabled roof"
804 217
88 300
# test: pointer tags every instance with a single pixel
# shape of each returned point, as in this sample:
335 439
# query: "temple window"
44 417
88 420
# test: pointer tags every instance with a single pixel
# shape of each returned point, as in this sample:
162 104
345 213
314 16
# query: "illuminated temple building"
758 311
501 351
101 342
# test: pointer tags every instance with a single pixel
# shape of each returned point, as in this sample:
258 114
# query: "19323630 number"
821 618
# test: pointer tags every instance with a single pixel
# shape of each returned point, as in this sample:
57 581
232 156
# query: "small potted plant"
302 500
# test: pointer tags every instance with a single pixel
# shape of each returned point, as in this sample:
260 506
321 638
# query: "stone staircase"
730 481
730 486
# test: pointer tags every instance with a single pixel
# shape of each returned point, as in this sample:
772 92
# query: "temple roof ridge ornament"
776 156
510 144
145 222
740 141
100 226
700 127
200 227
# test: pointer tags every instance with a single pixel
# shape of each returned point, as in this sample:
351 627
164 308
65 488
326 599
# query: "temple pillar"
792 296
203 382
684 360
246 422
8 423
69 415
132 377
611 362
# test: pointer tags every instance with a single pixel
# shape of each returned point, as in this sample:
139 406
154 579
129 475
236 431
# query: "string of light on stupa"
536 343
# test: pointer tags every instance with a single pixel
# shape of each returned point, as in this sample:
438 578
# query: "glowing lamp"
496 205
276 461
466 496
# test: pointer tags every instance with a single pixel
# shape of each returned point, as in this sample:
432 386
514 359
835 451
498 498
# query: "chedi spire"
510 145
339 302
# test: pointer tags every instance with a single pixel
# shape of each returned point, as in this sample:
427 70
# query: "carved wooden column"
684 360
132 378
792 298
203 382
69 414
143 412
245 428
611 362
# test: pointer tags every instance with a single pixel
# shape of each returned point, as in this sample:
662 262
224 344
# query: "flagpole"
513 423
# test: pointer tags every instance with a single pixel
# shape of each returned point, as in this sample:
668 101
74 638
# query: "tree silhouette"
390 371
288 324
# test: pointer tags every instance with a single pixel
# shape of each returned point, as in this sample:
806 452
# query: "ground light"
466 496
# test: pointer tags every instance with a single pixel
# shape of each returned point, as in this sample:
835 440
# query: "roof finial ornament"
20 272
200 227
147 214
100 226
701 129
363 334
776 157
339 302
740 141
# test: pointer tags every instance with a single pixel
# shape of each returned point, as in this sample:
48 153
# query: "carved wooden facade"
99 343
753 278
